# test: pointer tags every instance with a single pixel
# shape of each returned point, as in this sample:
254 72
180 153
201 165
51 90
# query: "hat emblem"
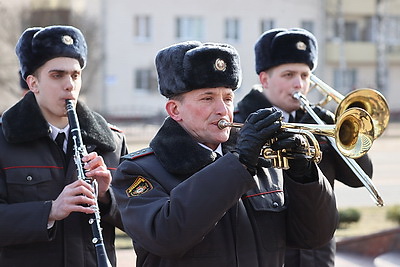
220 65
301 46
66 39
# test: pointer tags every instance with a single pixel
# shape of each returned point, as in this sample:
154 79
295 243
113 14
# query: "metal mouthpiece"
223 124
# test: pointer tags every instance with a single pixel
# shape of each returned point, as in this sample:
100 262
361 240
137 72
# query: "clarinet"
79 152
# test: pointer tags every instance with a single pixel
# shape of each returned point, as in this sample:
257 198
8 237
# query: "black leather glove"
327 116
300 168
259 127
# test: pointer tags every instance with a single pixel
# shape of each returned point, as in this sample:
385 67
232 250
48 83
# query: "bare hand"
97 169
75 197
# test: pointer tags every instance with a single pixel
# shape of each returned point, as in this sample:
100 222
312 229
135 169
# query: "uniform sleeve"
24 223
168 223
333 166
312 213
109 212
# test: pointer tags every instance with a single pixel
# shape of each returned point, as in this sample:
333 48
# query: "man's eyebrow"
63 71
57 70
207 93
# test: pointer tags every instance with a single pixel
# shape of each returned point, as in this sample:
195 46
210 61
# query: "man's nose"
69 84
221 107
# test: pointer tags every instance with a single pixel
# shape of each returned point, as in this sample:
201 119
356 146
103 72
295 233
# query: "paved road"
385 155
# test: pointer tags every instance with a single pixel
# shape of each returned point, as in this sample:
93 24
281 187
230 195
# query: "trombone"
353 135
368 99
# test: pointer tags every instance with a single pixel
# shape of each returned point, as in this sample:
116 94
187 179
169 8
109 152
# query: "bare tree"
9 33
15 19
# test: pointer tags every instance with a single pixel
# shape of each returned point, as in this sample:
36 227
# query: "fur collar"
252 102
24 122
178 152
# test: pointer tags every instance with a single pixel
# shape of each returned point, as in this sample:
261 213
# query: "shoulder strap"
140 153
114 128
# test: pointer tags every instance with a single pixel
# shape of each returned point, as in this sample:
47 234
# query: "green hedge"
393 214
348 216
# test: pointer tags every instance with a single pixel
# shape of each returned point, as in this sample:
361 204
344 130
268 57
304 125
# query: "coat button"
29 178
275 204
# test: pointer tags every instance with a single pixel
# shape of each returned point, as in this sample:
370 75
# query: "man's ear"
172 108
264 79
32 83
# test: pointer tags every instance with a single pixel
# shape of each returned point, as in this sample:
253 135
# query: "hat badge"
301 46
220 65
66 39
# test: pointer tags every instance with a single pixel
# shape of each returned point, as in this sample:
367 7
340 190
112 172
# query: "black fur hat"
38 45
194 65
22 83
281 46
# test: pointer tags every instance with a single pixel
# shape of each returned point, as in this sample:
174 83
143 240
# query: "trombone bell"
353 132
368 99
372 102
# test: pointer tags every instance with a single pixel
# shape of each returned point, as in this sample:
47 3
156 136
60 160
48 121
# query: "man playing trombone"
284 60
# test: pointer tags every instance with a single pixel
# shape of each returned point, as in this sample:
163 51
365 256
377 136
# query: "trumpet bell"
355 132
372 102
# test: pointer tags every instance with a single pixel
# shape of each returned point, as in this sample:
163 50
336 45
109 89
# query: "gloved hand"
259 127
327 116
300 168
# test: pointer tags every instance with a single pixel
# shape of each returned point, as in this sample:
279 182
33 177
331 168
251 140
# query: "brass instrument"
368 99
378 122
279 159
353 134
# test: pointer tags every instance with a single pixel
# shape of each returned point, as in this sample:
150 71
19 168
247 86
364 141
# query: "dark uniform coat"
333 167
33 171
181 207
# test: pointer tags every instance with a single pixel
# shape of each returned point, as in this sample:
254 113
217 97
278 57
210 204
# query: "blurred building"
359 42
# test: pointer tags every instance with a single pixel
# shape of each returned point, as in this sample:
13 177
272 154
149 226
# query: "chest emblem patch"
140 186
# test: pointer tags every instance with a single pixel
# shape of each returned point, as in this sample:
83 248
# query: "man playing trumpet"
284 60
191 200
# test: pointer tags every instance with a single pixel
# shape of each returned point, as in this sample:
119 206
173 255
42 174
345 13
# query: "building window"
267 24
345 81
232 29
144 80
392 30
351 31
308 25
189 28
142 26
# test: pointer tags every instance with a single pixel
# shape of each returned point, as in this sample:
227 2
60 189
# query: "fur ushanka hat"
38 45
282 46
191 65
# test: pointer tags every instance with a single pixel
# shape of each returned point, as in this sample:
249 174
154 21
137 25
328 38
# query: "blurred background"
359 43
359 47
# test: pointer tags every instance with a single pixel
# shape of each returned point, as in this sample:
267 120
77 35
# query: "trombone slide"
357 170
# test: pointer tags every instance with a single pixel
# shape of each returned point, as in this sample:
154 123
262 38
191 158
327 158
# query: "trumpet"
368 99
279 159
380 121
353 134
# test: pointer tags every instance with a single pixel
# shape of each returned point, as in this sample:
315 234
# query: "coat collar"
256 100
252 102
24 122
178 152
